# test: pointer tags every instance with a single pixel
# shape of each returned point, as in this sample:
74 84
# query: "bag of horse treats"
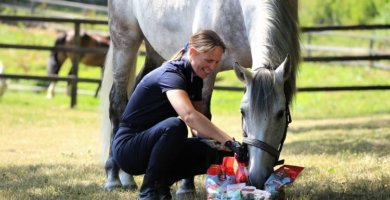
234 191
251 193
283 176
217 179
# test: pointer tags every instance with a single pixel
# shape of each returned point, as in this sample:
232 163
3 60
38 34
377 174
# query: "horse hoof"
185 194
111 185
127 181
130 187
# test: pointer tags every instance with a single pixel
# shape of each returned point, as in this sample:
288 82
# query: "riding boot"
148 189
186 189
163 191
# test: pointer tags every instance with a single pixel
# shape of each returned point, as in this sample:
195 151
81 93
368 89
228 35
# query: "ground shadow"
358 124
352 190
46 181
373 140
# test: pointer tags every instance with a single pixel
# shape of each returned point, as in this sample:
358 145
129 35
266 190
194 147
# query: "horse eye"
242 113
280 114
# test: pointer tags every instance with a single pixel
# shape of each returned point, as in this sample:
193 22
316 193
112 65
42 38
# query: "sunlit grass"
50 151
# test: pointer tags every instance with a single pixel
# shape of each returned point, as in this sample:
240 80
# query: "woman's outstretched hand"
241 151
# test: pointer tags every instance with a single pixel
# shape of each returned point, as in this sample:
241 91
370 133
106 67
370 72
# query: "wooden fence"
77 49
40 7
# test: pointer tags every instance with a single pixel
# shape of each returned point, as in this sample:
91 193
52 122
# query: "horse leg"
54 64
125 43
3 82
187 186
100 83
152 60
208 86
112 172
51 90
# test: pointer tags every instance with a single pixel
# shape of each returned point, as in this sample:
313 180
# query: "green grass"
332 104
51 151
304 106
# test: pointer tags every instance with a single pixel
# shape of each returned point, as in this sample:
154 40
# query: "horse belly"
167 25
93 60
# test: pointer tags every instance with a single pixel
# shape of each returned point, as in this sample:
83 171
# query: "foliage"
50 151
343 12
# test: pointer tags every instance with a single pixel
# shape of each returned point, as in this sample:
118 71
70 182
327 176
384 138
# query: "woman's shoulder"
181 65
178 63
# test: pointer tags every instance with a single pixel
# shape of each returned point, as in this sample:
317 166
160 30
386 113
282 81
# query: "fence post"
75 65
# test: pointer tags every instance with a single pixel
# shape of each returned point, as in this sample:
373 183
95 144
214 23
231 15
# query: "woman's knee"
176 126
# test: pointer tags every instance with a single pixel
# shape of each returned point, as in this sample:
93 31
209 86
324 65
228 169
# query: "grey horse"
261 35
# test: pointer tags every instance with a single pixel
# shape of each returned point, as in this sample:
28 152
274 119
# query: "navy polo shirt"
149 104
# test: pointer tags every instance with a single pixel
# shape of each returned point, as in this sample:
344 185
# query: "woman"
153 137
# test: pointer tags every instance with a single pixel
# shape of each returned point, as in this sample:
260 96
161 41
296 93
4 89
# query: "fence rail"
82 6
77 49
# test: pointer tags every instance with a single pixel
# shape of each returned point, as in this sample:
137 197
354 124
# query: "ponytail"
203 41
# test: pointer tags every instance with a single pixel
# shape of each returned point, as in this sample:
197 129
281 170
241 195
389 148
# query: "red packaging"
214 169
291 170
240 169
242 173
283 176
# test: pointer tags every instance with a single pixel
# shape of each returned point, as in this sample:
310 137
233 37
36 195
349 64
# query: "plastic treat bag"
217 179
234 191
281 177
251 193
240 169
242 173
221 180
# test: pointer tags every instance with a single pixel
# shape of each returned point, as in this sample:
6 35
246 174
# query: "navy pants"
163 152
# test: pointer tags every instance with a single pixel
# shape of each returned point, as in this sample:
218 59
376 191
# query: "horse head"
265 116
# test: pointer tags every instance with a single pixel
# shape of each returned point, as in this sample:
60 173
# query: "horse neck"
271 27
273 32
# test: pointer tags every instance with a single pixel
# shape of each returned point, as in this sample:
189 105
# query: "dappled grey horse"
262 35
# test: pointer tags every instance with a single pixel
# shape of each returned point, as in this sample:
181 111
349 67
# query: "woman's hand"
241 152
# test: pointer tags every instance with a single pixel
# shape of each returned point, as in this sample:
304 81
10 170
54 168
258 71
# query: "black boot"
148 194
148 190
164 192
155 192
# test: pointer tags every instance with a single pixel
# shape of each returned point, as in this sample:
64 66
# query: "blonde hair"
203 41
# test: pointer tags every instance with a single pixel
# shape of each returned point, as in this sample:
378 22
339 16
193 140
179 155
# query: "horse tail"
106 128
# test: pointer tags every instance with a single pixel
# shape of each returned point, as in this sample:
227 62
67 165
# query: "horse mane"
281 28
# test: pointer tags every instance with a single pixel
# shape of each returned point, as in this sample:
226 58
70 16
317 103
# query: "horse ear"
284 69
242 73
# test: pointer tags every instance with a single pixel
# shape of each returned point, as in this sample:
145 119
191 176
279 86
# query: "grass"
50 151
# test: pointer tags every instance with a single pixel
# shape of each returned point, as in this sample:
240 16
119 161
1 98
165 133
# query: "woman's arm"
198 107
194 119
